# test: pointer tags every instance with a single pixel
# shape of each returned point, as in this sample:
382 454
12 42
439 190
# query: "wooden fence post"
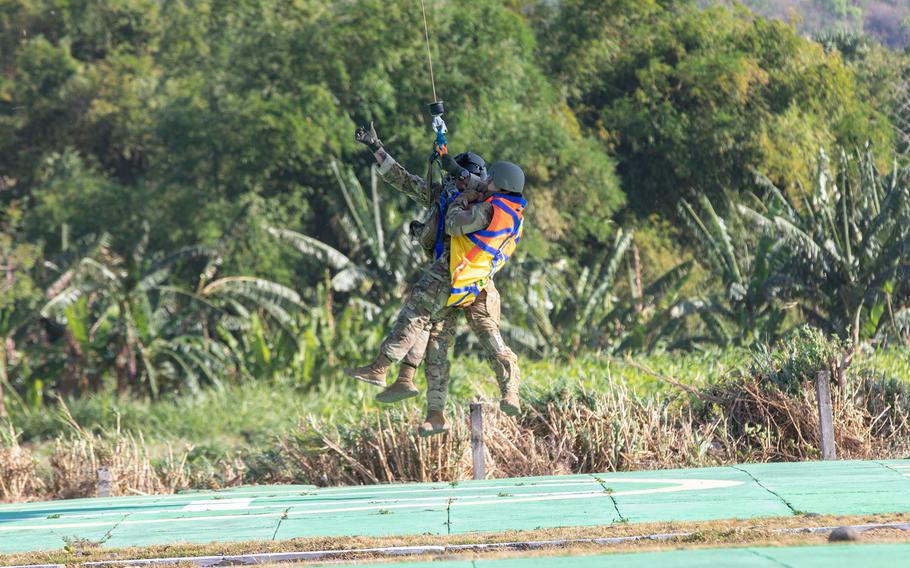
825 415
104 482
477 440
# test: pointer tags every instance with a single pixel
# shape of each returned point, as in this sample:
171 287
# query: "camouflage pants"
407 340
483 318
425 327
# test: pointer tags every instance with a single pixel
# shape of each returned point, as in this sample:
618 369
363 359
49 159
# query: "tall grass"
593 414
18 478
251 414
742 420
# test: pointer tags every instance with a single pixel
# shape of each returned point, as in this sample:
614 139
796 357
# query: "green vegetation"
884 20
592 415
192 245
184 206
253 413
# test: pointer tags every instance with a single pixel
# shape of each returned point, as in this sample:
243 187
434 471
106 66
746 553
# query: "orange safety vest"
479 255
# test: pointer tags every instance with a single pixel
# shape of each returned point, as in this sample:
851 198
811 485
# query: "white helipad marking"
311 497
320 501
332 492
676 485
218 505
147 522
673 486
284 491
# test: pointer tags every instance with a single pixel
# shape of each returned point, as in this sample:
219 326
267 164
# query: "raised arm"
394 173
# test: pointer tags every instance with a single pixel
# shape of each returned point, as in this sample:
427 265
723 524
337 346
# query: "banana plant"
368 271
377 262
747 307
563 305
133 317
848 255
564 310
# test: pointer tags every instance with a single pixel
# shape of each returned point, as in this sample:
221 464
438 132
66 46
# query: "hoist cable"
426 35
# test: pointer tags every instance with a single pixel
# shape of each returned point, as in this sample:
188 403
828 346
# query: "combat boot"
402 388
374 373
435 423
510 404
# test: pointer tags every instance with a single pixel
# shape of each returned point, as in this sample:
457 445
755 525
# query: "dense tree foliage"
183 201
884 20
696 100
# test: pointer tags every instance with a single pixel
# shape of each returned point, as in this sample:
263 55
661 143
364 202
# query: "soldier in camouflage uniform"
421 327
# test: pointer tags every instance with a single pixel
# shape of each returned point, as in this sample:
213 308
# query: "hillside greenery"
887 21
184 207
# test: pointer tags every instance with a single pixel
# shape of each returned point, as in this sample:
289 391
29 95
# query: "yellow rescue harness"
477 256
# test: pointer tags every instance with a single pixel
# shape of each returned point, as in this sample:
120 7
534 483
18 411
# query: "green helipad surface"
826 556
283 512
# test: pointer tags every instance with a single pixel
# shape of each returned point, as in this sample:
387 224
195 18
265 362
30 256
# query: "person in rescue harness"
406 341
468 170
485 228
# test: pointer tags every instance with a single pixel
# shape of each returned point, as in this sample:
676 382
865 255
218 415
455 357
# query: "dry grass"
735 422
78 455
384 448
18 478
751 532
740 420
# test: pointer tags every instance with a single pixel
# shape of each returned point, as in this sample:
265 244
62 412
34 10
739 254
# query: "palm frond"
620 246
270 296
61 301
315 248
785 229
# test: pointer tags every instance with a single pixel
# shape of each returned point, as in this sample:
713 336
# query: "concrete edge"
271 557
857 528
391 551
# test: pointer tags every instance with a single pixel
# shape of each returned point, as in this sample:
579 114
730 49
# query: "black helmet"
473 163
508 177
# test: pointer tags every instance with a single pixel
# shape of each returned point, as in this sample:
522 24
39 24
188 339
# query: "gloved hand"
467 197
368 136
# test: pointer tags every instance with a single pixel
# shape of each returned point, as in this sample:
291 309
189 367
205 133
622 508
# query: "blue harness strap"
495 253
489 234
467 291
439 246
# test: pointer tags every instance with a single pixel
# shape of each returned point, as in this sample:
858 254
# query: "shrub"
797 358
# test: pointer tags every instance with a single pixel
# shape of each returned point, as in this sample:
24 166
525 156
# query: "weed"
80 546
18 479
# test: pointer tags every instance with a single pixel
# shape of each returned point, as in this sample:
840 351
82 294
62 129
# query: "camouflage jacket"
433 197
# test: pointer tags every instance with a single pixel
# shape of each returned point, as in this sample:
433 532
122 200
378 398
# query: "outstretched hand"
368 136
